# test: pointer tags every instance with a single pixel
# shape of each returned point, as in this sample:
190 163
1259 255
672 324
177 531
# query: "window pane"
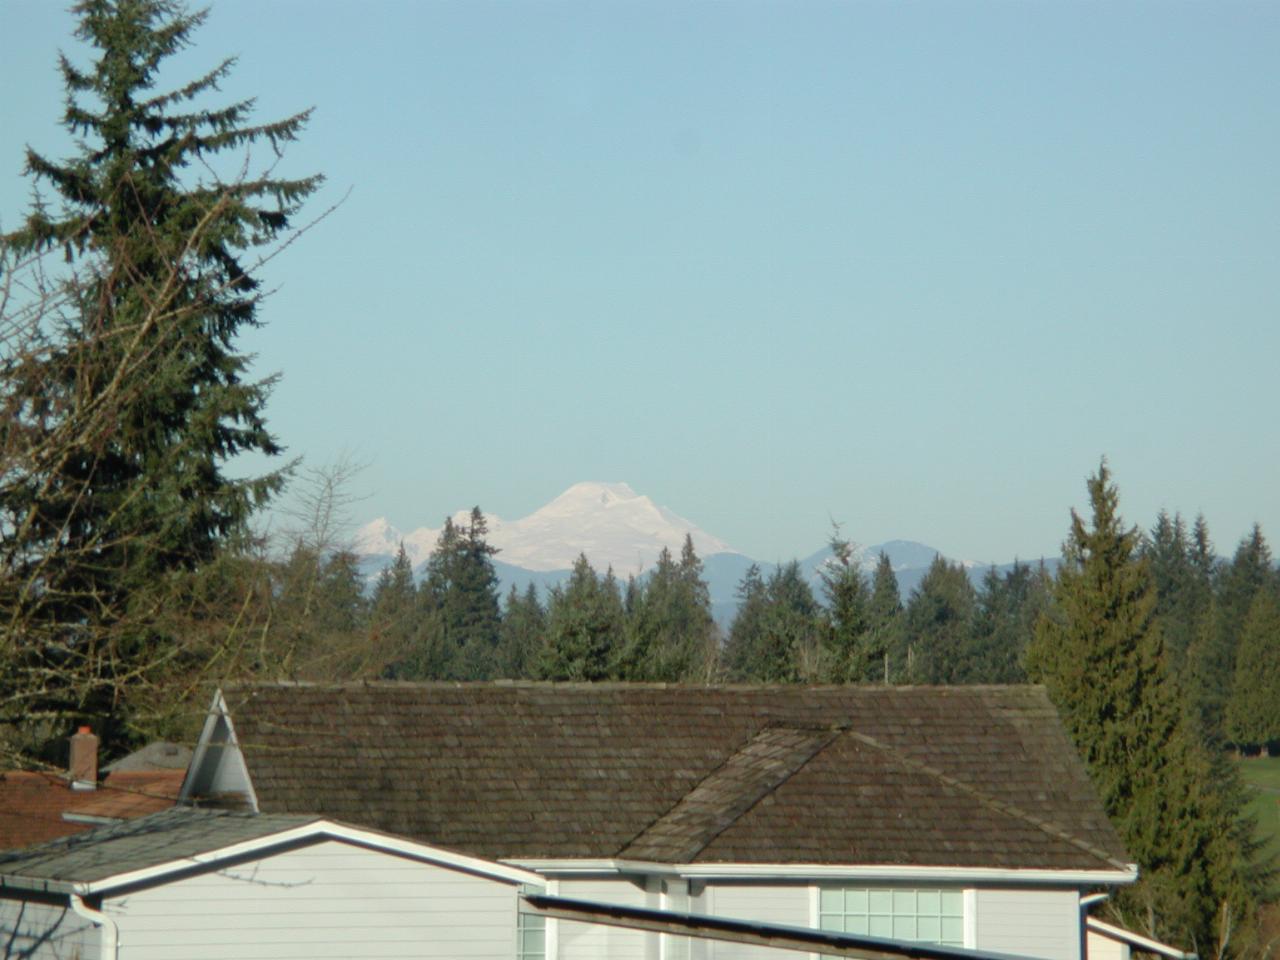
952 903
953 931
855 901
832 900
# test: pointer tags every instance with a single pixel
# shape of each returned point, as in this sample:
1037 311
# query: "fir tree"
1004 618
670 631
141 389
461 592
847 651
523 633
1253 712
776 637
584 627
937 624
1178 810
747 624
885 618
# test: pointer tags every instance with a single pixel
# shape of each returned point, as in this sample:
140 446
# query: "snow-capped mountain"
609 522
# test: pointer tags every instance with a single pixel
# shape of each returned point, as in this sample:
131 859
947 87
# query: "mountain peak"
609 522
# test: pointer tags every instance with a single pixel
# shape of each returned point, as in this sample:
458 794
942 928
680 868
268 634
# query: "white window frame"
966 917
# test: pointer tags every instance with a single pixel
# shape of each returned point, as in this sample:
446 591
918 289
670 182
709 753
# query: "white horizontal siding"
38 931
595 941
788 904
328 900
1029 922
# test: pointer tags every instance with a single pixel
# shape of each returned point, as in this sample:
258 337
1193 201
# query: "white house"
959 816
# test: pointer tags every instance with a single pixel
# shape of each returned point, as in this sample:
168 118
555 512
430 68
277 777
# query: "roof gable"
152 848
530 771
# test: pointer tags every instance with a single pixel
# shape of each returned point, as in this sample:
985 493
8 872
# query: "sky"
909 267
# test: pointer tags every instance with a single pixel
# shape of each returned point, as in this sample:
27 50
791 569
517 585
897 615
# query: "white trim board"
317 831
817 871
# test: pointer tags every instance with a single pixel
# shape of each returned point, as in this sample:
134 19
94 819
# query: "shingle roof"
32 803
955 776
160 838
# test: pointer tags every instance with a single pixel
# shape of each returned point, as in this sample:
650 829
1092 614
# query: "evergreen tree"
847 649
937 624
1006 611
461 592
584 627
747 624
776 637
670 632
885 618
1253 712
141 393
1179 812
521 638
1213 666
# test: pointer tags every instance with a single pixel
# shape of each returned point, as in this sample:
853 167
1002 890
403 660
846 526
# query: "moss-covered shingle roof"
956 776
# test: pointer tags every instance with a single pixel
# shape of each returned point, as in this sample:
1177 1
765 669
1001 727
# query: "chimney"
84 760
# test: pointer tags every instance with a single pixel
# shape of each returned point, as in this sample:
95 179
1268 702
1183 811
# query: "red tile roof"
32 804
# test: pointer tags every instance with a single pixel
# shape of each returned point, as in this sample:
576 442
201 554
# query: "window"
531 937
895 913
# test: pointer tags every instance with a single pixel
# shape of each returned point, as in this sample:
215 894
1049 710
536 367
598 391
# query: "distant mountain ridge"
617 528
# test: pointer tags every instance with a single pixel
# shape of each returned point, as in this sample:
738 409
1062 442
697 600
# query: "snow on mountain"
609 522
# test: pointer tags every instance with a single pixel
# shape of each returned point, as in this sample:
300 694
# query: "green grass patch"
1262 775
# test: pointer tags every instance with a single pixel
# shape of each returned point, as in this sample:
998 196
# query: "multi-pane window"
895 913
531 937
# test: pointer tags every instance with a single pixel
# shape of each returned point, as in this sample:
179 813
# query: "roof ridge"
748 795
1008 809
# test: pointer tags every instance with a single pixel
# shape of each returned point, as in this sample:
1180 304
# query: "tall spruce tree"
1178 810
140 398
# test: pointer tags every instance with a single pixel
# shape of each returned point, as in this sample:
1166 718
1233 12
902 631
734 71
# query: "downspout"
110 935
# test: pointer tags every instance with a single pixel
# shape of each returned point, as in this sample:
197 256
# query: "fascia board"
816 871
317 830
1113 932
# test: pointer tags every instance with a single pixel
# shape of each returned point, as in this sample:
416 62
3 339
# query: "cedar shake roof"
978 776
32 804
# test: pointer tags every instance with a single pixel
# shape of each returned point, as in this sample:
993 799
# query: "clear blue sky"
910 266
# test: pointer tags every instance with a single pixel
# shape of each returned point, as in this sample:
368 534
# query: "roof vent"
83 768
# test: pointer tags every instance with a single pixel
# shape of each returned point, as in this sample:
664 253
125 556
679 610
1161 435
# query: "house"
203 884
40 805
959 817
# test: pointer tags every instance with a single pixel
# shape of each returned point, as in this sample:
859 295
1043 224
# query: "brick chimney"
83 768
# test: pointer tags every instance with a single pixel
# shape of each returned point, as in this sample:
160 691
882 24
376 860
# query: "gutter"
847 872
109 938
